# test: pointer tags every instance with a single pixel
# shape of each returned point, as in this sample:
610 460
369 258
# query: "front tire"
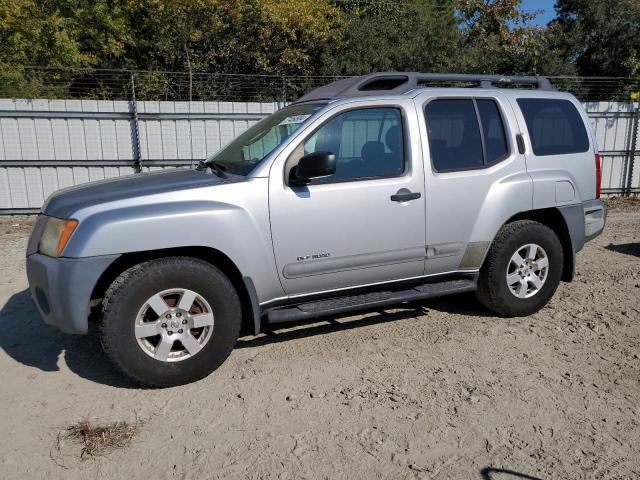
522 269
170 321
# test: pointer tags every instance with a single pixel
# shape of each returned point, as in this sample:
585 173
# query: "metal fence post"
284 90
632 150
133 108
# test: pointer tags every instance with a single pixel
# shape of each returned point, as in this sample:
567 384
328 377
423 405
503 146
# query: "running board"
343 304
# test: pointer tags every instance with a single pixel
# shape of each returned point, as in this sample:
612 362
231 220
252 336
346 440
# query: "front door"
351 228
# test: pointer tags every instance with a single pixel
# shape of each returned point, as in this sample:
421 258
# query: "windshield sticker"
294 119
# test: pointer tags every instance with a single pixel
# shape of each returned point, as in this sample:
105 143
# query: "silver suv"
370 191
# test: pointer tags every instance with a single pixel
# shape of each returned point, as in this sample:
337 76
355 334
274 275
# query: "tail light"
598 175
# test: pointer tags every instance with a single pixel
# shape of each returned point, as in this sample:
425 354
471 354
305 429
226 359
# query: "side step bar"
343 304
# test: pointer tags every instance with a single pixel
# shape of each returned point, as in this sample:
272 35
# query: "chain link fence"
31 82
100 84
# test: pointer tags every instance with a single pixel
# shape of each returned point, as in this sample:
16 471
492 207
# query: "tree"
601 36
298 37
383 35
32 34
497 37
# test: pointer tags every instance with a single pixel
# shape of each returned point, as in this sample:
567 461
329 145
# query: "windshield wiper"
216 168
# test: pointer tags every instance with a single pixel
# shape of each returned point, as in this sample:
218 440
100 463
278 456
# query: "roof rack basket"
396 83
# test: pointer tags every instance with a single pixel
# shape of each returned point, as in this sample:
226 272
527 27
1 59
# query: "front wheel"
170 321
522 269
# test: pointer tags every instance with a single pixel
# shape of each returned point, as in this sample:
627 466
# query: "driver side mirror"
313 165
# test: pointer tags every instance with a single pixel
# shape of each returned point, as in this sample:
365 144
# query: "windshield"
247 150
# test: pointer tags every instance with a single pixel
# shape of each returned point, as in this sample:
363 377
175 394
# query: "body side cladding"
474 254
559 219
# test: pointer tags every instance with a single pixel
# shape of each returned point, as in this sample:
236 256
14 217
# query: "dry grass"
623 203
100 439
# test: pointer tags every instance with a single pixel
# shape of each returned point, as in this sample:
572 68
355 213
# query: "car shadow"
28 340
324 325
632 248
490 473
460 304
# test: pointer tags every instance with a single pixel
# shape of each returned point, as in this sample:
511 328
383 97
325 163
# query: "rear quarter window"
555 126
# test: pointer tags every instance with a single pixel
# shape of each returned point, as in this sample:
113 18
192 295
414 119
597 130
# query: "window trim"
580 117
505 128
405 144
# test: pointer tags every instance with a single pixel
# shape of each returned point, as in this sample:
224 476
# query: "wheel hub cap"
527 270
174 325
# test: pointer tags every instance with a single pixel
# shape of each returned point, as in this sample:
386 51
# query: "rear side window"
492 130
465 133
555 126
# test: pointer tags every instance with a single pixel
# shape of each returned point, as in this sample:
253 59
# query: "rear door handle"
404 195
520 142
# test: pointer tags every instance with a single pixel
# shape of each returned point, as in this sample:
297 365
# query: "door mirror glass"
314 165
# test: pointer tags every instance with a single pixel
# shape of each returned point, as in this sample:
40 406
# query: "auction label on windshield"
294 119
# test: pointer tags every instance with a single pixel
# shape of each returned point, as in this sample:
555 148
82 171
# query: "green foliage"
232 36
33 33
603 36
395 35
498 38
304 37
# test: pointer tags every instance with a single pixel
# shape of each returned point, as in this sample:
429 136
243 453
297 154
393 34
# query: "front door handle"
404 195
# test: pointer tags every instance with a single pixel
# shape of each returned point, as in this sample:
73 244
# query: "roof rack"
397 83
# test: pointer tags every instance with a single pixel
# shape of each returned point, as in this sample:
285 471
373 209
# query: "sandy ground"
439 389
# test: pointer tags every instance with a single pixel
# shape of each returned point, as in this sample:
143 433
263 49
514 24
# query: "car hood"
64 203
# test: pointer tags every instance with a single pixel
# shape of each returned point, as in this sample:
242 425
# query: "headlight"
55 236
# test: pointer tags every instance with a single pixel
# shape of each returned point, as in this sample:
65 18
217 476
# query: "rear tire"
170 321
522 269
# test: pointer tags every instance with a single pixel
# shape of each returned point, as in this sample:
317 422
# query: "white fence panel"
613 124
51 144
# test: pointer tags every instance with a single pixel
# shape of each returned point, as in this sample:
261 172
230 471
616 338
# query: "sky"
546 5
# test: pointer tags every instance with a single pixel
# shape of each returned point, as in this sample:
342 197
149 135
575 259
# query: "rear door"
349 229
475 177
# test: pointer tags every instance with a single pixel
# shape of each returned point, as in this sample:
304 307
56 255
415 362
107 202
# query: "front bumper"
61 288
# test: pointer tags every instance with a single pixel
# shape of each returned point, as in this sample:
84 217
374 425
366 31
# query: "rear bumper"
61 288
595 217
584 221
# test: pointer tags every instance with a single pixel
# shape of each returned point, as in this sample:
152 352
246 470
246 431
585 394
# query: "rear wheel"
170 321
522 269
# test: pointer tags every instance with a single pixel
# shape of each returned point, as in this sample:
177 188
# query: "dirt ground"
438 389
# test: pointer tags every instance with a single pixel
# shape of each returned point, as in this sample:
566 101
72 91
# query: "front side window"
465 133
555 126
368 143
246 151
